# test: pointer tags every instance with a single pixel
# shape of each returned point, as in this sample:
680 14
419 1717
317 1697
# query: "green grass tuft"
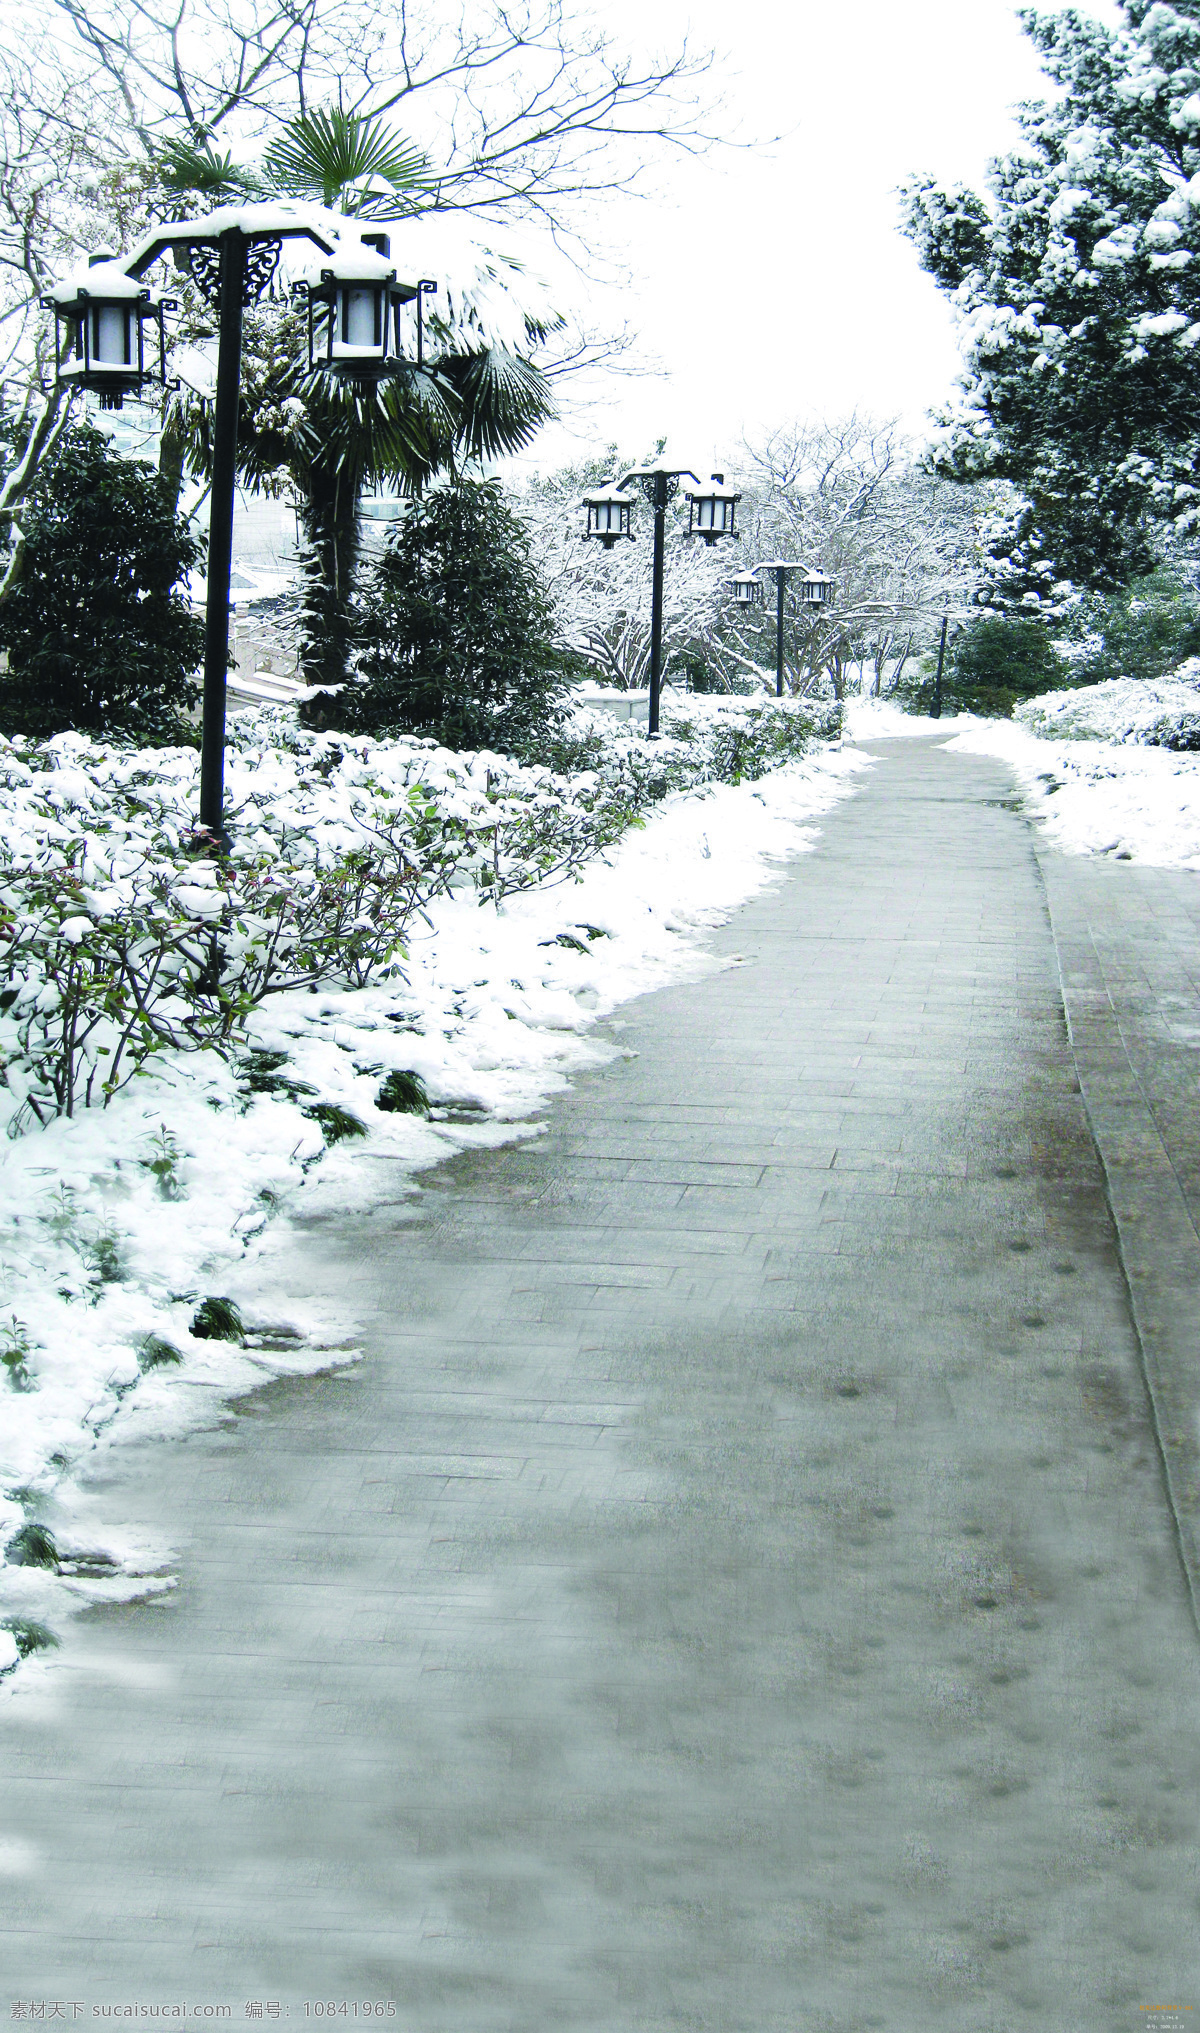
32 1546
263 1073
403 1094
30 1636
337 1124
569 940
153 1352
218 1320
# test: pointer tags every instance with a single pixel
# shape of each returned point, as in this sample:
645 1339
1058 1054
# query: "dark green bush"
458 633
990 665
1142 632
99 637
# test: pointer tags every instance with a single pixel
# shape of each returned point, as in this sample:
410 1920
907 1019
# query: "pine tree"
1078 294
460 637
99 633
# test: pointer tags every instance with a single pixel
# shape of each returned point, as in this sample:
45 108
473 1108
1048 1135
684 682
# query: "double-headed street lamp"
711 515
813 589
231 255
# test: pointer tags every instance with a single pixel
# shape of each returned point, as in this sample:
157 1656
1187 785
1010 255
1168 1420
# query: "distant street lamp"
711 515
935 711
814 589
231 255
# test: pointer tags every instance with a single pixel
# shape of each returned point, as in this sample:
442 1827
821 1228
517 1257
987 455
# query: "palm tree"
341 160
473 399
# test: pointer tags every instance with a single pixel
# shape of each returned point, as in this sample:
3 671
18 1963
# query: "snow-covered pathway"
735 1592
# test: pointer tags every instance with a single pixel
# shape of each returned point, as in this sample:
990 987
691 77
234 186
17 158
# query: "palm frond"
503 399
188 171
336 157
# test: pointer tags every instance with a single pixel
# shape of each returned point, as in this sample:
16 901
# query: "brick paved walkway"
737 1593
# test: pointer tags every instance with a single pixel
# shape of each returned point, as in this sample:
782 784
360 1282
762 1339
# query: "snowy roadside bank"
869 719
1088 762
118 1224
1100 797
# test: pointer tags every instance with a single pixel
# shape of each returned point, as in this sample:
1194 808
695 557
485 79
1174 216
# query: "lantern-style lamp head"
608 514
745 589
712 510
354 314
99 332
815 589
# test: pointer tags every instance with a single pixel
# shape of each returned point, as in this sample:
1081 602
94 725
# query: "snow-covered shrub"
741 742
1153 713
118 943
98 976
1146 630
704 740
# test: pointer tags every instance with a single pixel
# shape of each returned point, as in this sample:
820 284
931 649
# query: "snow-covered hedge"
124 1227
119 942
1148 712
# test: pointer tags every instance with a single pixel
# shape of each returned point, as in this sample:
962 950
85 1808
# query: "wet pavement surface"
744 1587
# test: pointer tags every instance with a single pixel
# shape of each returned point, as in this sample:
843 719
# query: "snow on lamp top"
98 330
354 310
713 509
489 295
608 514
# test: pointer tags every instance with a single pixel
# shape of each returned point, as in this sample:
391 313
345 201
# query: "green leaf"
330 155
189 171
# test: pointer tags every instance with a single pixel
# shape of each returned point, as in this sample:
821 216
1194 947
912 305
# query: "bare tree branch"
530 108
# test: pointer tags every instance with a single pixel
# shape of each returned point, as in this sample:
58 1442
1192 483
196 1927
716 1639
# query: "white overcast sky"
773 283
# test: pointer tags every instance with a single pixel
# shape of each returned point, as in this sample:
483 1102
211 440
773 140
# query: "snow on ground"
879 719
1101 796
115 1225
1092 762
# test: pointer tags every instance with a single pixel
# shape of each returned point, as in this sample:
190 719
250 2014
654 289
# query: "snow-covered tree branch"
1077 290
848 496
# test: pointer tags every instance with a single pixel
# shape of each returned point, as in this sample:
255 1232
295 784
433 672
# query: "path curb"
1123 1063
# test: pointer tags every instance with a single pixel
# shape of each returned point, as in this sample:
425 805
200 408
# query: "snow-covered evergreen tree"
1078 292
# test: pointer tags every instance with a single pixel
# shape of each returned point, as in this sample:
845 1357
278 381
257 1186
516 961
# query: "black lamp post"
935 711
711 516
813 589
231 255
